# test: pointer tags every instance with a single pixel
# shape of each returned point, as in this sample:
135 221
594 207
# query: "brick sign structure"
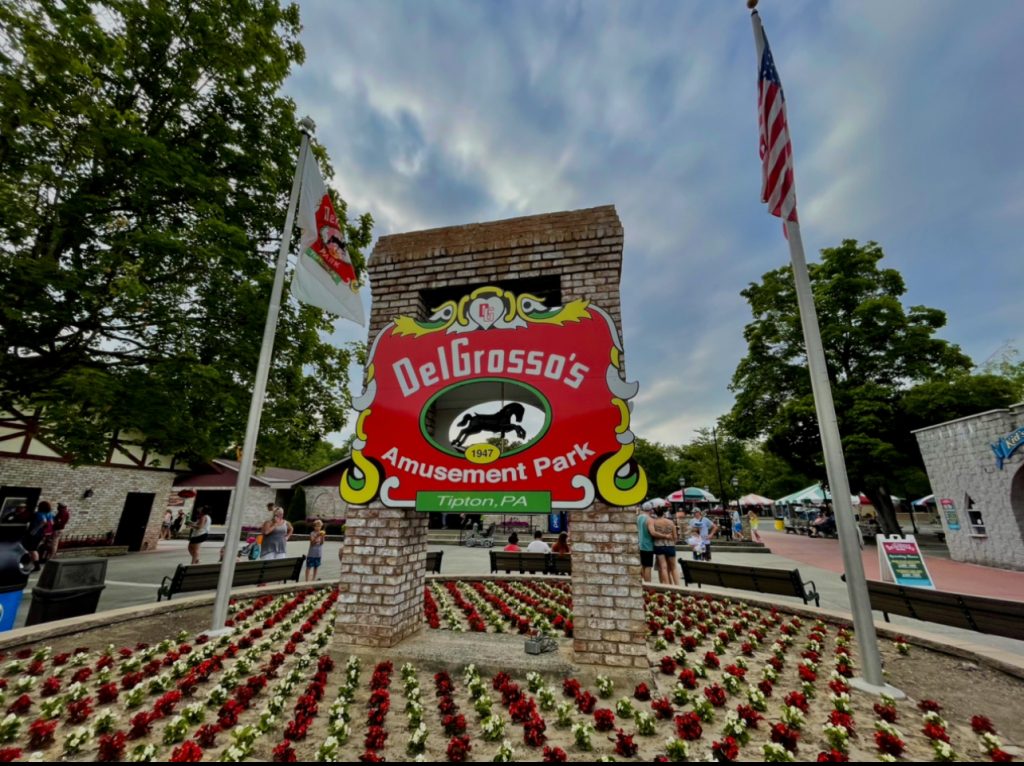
524 311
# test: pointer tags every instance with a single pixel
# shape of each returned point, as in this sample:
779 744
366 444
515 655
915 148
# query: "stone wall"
100 513
960 463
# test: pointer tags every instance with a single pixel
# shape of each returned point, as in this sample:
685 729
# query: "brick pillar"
607 597
383 569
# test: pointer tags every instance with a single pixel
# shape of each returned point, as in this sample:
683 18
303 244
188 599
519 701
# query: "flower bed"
728 681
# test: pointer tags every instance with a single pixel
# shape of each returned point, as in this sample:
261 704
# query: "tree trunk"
879 497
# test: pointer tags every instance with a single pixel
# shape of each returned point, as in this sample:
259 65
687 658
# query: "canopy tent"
924 501
692 495
753 499
816 495
654 502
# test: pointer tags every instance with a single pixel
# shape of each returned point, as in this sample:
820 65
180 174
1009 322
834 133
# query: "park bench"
434 561
959 610
781 582
523 562
195 577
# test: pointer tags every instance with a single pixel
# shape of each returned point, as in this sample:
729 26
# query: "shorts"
313 562
669 551
198 540
647 559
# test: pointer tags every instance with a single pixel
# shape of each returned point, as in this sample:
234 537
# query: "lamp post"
682 491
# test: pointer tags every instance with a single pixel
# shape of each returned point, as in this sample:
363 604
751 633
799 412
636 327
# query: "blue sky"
906 120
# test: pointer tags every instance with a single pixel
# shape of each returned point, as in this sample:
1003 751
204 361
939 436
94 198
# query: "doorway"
134 520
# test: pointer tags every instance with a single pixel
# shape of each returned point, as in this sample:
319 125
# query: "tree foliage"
146 157
889 373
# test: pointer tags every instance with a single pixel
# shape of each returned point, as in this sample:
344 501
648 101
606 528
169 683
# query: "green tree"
146 156
885 366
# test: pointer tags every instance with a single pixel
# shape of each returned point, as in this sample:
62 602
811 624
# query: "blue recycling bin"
15 567
554 522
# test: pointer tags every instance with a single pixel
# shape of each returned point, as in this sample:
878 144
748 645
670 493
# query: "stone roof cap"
565 226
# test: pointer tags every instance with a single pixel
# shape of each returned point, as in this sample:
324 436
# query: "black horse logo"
499 423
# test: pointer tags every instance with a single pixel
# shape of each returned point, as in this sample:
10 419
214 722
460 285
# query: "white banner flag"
324 275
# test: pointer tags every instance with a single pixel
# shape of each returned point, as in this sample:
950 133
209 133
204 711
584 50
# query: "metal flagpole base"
862 685
218 633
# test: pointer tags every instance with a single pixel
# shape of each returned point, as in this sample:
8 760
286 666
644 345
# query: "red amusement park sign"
496 403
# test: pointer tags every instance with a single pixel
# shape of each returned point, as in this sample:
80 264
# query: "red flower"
533 731
735 670
497 682
888 743
111 747
711 660
206 735
806 674
454 724
586 702
555 755
886 712
40 732
371 756
981 724
776 663
833 756
79 710
785 735
838 718
797 700
727 750
663 708
766 687
624 744
376 736
604 719
1000 756
187 752
165 704
838 686
749 715
935 732
715 694
929 706
8 754
642 692
668 665
50 687
688 678
140 723
458 748
747 648
688 726
284 752
21 705
571 687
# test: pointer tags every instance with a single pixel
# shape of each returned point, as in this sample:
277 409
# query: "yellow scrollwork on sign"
359 484
620 480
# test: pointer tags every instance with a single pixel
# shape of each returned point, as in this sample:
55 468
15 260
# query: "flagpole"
252 429
832 446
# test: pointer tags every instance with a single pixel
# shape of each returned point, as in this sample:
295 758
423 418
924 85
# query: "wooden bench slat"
534 563
195 577
780 582
960 610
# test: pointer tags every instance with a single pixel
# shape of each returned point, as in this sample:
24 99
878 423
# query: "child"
316 550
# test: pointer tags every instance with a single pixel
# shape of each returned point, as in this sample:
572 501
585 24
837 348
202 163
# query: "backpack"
254 552
62 518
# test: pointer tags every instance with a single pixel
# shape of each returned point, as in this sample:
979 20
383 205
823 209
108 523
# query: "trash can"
67 588
15 567
554 522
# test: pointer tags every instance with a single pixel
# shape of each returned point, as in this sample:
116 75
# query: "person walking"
200 526
737 525
753 519
276 534
316 550
179 522
165 528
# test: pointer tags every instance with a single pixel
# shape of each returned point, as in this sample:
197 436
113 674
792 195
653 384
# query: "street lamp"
682 492
736 489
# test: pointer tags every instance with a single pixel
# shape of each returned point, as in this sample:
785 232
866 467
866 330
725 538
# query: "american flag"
778 188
